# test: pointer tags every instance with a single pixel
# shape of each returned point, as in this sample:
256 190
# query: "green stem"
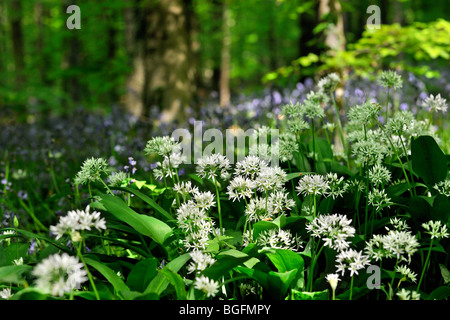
338 120
351 289
218 206
315 257
87 271
425 266
314 144
387 105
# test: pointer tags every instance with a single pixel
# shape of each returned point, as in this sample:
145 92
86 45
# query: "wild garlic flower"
200 261
296 126
278 239
379 175
287 146
78 220
399 244
117 179
313 185
404 294
436 103
399 123
329 82
240 188
311 110
213 166
163 146
169 166
265 208
443 187
270 178
185 188
337 186
364 113
204 200
208 286
369 151
398 224
264 151
390 79
436 229
378 199
250 166
407 273
333 229
91 170
352 261
6 294
59 274
333 280
195 224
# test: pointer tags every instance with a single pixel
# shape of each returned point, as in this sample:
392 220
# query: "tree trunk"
17 41
334 35
169 69
225 58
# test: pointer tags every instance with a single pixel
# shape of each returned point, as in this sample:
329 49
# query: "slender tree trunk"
225 58
17 41
334 35
306 21
169 70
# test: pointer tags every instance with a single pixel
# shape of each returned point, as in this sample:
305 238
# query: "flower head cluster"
378 199
379 175
169 166
364 113
334 229
117 179
78 220
59 274
200 261
250 166
240 188
195 224
185 188
443 187
390 79
333 280
351 260
436 103
270 178
398 243
337 186
313 185
163 146
208 286
404 294
278 239
213 166
407 273
270 207
91 170
436 229
329 82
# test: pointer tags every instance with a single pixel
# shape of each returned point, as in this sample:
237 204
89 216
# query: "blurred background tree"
173 55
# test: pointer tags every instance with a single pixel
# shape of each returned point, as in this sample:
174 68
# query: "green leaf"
445 273
160 282
285 260
280 282
225 262
149 201
177 281
428 160
146 225
13 274
440 293
142 273
109 275
316 295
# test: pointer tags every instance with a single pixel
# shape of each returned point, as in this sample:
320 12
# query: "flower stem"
425 266
91 280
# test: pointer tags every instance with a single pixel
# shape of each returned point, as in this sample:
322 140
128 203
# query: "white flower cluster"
78 220
398 243
278 239
313 184
436 229
213 166
208 286
59 274
200 261
436 103
443 187
351 260
334 229
168 168
407 273
195 224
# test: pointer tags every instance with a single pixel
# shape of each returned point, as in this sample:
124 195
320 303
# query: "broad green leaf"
149 201
109 275
160 282
445 273
316 295
146 225
177 281
280 282
13 274
142 273
428 160
285 260
440 293
223 265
